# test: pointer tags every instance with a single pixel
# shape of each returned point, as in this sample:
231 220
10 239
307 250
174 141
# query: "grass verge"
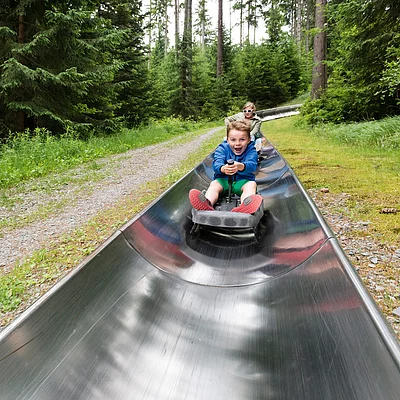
370 175
27 156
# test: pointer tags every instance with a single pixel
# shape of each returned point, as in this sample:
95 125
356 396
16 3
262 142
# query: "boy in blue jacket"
238 147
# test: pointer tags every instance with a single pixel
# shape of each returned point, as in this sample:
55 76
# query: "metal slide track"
156 313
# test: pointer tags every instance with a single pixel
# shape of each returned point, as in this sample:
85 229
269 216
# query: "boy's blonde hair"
241 125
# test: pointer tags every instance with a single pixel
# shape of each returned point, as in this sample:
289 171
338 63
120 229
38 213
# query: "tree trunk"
230 20
299 19
202 12
176 25
307 36
186 61
319 76
248 21
220 48
241 23
188 23
20 115
150 33
166 36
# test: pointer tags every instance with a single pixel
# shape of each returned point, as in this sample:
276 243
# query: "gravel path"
60 203
43 209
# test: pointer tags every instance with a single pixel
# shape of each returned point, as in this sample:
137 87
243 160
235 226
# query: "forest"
84 67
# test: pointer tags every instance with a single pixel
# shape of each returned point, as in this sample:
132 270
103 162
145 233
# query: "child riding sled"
239 148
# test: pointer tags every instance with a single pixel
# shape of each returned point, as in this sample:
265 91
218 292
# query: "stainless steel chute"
156 313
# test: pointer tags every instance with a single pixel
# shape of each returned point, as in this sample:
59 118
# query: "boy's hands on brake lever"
231 169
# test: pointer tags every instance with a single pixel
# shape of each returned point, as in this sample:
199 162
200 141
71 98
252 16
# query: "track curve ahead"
156 313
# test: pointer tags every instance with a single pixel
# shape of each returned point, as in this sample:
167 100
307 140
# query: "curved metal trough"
156 313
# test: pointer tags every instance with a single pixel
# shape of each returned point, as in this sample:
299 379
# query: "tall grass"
27 156
383 134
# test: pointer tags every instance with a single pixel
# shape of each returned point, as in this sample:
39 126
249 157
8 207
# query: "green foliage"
335 106
131 81
76 69
202 26
165 78
390 80
59 69
33 154
216 105
266 74
203 84
275 18
363 62
7 41
11 289
82 68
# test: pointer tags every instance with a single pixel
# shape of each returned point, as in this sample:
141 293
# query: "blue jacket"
249 158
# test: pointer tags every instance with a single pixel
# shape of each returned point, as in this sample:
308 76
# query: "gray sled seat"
227 219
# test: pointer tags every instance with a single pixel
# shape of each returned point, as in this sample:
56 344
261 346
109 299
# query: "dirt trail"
60 203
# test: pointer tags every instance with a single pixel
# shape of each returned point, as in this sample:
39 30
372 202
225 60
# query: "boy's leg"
199 201
258 144
248 189
213 191
250 201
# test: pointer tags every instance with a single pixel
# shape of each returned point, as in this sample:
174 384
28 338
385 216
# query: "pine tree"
72 67
131 80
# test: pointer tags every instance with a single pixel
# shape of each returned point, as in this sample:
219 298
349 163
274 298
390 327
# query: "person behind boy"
249 114
238 147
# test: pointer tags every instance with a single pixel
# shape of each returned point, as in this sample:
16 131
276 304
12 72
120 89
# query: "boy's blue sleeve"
219 159
251 160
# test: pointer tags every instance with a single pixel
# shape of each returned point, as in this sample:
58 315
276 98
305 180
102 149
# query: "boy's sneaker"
250 204
199 201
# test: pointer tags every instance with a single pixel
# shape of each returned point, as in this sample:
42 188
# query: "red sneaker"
199 201
250 204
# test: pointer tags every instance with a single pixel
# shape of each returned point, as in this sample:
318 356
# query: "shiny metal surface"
156 313
279 112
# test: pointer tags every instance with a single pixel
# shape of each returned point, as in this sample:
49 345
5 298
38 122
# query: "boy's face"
238 141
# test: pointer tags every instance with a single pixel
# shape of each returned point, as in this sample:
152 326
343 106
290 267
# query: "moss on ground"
369 175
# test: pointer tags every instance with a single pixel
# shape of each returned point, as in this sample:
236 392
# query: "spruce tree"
68 67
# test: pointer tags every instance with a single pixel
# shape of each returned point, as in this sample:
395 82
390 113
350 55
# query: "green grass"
25 156
321 157
383 134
